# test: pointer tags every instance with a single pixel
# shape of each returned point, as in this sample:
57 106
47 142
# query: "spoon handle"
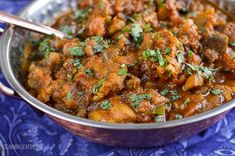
14 20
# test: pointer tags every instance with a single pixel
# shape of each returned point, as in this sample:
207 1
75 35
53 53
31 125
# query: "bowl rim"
15 84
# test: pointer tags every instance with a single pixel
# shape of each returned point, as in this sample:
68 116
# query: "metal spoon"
14 20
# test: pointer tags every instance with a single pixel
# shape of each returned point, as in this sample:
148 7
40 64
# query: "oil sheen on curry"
135 61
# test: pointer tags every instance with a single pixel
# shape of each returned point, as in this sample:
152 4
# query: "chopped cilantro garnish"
207 72
174 95
217 91
125 29
137 33
45 48
164 92
159 118
89 72
180 46
178 116
80 15
69 95
187 101
148 28
180 57
156 56
77 63
161 3
190 54
160 58
101 5
193 67
123 70
106 105
76 51
167 51
148 53
82 44
97 86
67 30
100 44
136 99
232 44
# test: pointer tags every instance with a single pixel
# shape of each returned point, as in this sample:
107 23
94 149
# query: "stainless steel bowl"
125 135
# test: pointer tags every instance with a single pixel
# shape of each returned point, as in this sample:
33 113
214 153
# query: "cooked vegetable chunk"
118 112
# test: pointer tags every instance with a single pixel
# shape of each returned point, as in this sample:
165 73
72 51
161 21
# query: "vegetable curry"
135 61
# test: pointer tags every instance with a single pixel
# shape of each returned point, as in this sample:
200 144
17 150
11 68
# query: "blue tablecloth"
24 133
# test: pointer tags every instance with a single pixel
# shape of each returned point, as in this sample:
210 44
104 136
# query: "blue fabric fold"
24 133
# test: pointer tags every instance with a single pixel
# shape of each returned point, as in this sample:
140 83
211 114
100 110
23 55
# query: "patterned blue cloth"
24 133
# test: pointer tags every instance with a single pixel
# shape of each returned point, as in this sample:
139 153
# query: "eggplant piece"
216 41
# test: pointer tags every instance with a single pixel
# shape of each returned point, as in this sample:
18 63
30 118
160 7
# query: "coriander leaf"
89 72
190 54
123 70
148 28
136 99
100 44
77 63
180 58
178 116
193 67
69 96
159 118
161 3
148 53
45 48
164 92
125 29
67 30
174 95
97 86
232 44
167 51
101 5
156 56
180 46
136 33
106 105
160 58
76 51
187 101
43 45
208 72
80 15
217 91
